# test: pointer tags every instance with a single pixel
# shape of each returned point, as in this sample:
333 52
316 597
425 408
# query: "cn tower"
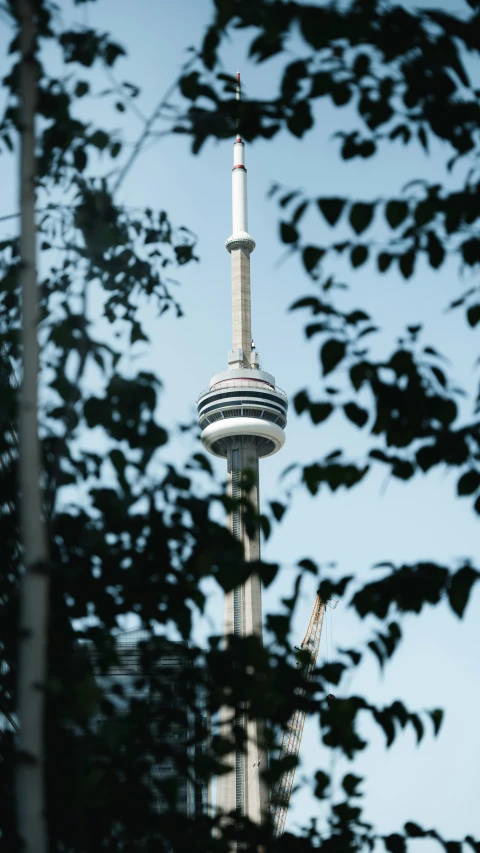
242 416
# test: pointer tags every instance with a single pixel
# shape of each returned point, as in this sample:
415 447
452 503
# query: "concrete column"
255 792
241 304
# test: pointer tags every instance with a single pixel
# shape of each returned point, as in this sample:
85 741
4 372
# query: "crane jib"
292 735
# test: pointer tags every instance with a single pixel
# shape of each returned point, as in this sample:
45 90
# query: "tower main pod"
243 416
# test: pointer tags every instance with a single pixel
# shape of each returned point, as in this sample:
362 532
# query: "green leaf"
311 256
358 256
331 208
418 726
424 211
99 139
136 333
112 52
360 373
332 672
356 317
288 232
314 328
341 94
473 315
378 651
471 251
460 587
7 141
437 719
119 462
354 656
439 375
189 85
435 251
422 136
203 462
301 401
366 148
395 843
361 215
350 784
414 830
265 526
468 483
383 261
269 572
320 412
322 781
209 47
406 263
453 846
278 510
82 88
308 565
326 590
402 469
300 210
331 354
356 414
321 84
279 625
396 212
361 66
80 159
301 120
286 199
306 302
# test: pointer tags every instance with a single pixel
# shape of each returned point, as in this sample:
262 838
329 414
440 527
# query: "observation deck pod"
243 405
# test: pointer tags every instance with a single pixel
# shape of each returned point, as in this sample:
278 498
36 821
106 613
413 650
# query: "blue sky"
437 665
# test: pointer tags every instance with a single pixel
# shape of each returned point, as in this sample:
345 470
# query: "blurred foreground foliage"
131 533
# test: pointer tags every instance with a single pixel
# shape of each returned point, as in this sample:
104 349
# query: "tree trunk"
34 585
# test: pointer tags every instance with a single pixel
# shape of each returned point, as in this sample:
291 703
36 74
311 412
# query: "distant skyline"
437 664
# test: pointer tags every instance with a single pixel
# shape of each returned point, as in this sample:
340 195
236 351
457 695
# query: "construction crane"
292 736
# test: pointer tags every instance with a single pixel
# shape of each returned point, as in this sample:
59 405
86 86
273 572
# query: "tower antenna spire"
240 245
238 97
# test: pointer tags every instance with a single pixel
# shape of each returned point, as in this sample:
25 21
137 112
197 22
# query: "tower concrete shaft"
241 308
242 417
240 245
243 790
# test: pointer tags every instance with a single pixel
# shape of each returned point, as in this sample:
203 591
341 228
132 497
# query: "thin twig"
149 124
12 722
125 96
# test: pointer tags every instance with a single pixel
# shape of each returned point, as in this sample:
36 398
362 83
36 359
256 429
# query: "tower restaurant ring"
249 410
266 436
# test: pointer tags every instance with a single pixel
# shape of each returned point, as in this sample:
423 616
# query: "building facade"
181 726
